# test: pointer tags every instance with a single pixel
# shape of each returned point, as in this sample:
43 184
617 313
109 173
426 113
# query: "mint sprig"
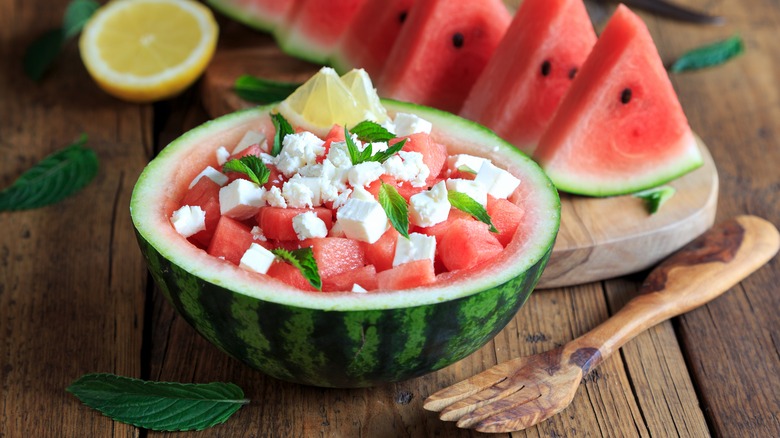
53 179
282 128
162 406
251 166
372 132
42 53
656 197
260 90
709 55
395 207
367 154
303 260
467 204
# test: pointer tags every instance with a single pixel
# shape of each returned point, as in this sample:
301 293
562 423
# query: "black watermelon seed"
457 40
546 66
572 72
625 96
402 16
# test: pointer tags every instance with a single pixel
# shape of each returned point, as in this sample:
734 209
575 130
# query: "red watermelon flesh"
407 275
620 128
434 154
366 46
530 71
381 253
315 28
231 240
289 274
364 276
441 50
277 222
439 229
336 255
204 194
404 188
467 243
506 217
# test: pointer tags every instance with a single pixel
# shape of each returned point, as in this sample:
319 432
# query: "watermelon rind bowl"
340 339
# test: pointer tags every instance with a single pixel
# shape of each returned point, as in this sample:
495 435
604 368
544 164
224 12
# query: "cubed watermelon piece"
434 154
276 222
289 274
364 276
405 188
506 217
231 240
407 276
467 243
440 228
336 255
205 194
381 253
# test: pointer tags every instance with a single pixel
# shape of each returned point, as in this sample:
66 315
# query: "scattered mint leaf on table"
710 55
76 16
163 406
259 90
395 207
467 204
54 178
251 166
303 259
654 198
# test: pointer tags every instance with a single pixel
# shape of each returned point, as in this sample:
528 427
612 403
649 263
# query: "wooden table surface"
75 296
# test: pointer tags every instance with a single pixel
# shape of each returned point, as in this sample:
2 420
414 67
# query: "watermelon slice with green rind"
265 15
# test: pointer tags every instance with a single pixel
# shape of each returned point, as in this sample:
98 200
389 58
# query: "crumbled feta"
267 158
222 155
358 289
338 154
413 168
362 219
456 162
408 124
298 194
241 199
251 137
257 234
365 173
475 190
298 150
257 259
341 199
274 197
498 182
189 220
308 225
417 247
430 207
311 170
213 174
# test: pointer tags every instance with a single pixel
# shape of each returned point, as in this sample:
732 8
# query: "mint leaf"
372 132
467 204
250 165
654 198
76 16
259 90
387 153
367 154
54 178
395 207
282 128
303 259
163 406
710 55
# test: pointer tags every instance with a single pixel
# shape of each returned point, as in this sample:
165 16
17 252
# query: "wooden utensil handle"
696 274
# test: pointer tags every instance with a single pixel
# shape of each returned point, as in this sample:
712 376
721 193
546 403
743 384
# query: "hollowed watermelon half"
340 339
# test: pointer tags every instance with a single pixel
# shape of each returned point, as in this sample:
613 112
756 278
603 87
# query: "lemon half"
148 50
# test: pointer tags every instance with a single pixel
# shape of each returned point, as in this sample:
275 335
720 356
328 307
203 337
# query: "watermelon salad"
316 196
620 130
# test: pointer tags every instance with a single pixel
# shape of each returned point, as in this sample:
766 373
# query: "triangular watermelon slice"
370 36
531 70
443 46
620 128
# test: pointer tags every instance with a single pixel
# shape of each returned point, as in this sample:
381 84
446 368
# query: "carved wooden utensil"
522 392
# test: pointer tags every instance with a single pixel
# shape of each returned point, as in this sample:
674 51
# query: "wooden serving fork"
522 392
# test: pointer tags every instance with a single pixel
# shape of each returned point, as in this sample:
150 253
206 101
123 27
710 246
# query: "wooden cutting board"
599 238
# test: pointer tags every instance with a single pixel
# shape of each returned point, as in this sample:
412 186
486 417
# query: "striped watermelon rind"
339 339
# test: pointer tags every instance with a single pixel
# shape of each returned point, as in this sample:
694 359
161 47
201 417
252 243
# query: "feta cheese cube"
213 174
498 182
408 124
456 162
241 199
188 220
298 150
358 289
257 259
274 197
362 220
308 225
414 169
251 137
336 230
363 174
475 190
222 155
417 247
430 207
361 193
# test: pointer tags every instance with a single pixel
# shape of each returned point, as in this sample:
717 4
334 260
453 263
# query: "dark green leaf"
355 154
372 132
76 16
467 204
259 90
250 165
54 178
654 198
395 207
387 153
711 55
164 406
303 259
282 128
42 53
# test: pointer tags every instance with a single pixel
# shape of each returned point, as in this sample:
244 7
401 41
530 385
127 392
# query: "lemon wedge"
148 50
327 99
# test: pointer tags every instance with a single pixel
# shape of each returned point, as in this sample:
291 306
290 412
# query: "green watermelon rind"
242 15
340 339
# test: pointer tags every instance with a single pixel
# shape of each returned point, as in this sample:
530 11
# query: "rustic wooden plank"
71 278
